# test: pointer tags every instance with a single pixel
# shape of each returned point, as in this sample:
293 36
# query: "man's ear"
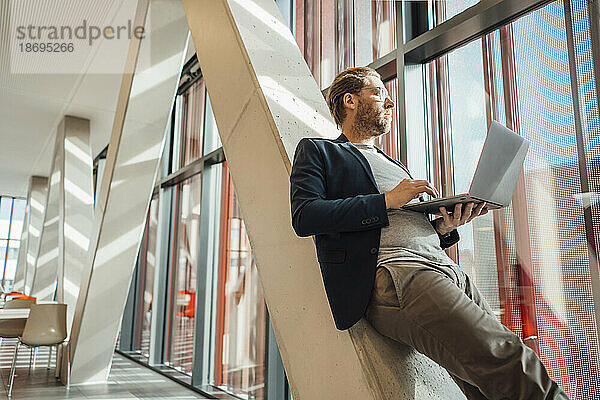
349 101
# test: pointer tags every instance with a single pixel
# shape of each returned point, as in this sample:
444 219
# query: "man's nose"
388 103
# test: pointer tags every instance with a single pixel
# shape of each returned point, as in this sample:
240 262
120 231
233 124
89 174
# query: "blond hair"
351 80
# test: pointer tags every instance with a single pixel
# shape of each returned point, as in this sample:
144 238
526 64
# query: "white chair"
46 326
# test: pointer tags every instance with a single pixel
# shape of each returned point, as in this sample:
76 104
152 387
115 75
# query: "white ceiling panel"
32 105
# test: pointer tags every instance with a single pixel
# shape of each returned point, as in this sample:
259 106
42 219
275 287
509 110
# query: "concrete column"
43 283
32 230
68 217
265 100
19 283
78 205
143 108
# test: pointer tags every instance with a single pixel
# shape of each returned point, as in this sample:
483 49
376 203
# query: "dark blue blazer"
334 197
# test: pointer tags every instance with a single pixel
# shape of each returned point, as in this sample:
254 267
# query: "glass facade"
468 127
212 295
145 281
337 34
390 143
455 7
200 306
560 275
240 338
531 260
12 215
190 125
183 273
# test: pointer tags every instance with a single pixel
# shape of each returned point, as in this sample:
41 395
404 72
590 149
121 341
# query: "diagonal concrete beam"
265 100
147 92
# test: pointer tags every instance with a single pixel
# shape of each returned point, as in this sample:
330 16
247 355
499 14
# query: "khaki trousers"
439 312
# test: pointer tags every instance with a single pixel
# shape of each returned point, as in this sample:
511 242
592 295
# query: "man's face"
374 109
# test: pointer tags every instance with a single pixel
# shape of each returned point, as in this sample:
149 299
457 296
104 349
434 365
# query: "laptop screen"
499 165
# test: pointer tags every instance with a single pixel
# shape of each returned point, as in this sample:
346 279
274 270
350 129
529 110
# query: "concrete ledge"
398 372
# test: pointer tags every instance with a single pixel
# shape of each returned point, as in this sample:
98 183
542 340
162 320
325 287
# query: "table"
14 313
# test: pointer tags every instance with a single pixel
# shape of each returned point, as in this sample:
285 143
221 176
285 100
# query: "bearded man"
387 264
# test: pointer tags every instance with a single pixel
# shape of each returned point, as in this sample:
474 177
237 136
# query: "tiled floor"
127 380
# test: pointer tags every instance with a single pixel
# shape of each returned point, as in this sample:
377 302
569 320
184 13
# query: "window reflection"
12 215
18 215
3 251
212 140
5 212
455 7
189 125
337 34
390 142
468 126
241 312
184 267
146 267
530 260
559 247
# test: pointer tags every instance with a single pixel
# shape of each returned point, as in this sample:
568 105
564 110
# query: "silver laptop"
495 178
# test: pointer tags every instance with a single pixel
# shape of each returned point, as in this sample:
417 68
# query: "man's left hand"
459 217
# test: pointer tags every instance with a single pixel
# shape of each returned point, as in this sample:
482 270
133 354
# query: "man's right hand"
407 190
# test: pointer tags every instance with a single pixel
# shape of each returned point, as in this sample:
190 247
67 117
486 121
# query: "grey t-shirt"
409 236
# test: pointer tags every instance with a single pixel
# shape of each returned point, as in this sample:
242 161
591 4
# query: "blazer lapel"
345 144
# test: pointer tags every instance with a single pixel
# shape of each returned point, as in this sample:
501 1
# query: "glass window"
5 212
417 133
212 140
177 133
455 7
383 26
189 125
561 273
530 260
10 268
18 215
3 249
468 128
337 34
184 267
146 268
240 338
390 142
12 214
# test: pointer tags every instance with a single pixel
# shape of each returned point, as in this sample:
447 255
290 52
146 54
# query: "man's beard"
371 122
